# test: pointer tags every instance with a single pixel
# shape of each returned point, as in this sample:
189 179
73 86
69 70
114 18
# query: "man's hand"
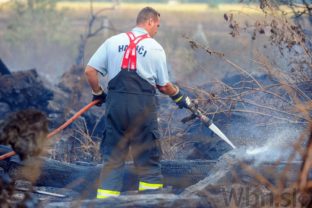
101 96
181 100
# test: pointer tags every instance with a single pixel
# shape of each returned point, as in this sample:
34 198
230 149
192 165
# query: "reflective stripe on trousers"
149 186
103 194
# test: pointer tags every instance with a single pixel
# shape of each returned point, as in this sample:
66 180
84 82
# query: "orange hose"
56 131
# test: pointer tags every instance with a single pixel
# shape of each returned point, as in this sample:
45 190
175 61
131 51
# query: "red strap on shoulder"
129 59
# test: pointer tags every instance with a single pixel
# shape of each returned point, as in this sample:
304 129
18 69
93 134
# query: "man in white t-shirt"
136 66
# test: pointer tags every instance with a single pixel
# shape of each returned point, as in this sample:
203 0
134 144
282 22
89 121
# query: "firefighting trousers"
131 125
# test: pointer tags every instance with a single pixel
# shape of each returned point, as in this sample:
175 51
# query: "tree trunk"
83 178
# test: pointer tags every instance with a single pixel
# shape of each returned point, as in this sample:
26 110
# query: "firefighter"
136 66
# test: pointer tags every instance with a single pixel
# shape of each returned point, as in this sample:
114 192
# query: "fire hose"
192 107
63 126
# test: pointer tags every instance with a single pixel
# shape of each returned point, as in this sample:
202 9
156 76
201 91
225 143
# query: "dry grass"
192 8
195 8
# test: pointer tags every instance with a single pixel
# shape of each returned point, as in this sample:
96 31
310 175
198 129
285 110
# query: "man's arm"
93 79
168 89
176 95
165 86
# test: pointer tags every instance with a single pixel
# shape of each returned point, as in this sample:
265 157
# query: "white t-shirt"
151 58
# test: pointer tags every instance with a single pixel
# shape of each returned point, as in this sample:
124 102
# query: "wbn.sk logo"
244 196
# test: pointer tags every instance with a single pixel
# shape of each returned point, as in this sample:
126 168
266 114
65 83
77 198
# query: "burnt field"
247 69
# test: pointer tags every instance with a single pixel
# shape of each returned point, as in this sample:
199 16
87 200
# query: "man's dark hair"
147 13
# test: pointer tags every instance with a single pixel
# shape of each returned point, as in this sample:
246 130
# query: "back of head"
145 14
